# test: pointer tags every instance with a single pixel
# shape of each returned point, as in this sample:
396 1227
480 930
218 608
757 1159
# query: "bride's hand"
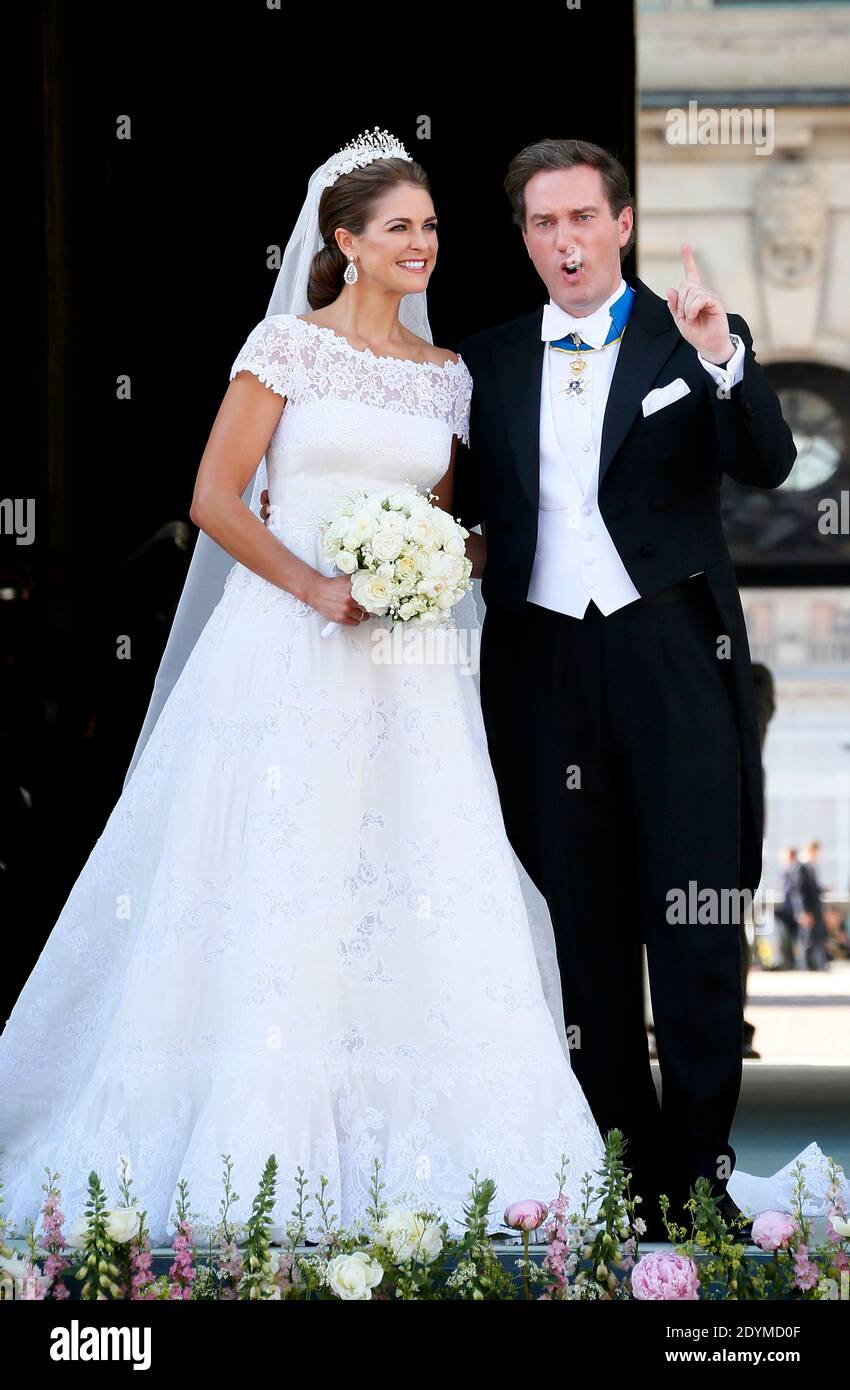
332 598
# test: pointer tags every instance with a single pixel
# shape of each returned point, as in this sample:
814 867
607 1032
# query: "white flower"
393 521
421 529
444 525
14 1265
416 504
430 1242
386 544
448 567
122 1223
372 591
431 585
455 546
839 1224
406 564
408 1236
345 561
360 529
338 528
354 1276
75 1235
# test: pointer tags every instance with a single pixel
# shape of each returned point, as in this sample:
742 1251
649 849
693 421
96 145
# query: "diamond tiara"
372 144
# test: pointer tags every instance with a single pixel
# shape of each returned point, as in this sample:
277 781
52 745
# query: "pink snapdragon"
182 1270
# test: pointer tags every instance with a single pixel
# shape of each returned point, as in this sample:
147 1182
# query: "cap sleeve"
270 352
462 400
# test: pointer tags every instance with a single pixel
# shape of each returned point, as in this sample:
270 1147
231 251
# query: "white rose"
122 1223
416 504
345 561
444 525
448 567
360 528
407 565
75 1235
397 1233
338 528
386 544
455 546
430 618
13 1265
409 1236
372 591
354 1276
393 521
445 598
432 585
421 530
430 1240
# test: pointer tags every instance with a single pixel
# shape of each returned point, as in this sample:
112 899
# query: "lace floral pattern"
311 364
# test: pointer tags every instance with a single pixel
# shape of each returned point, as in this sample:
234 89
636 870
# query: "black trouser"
615 747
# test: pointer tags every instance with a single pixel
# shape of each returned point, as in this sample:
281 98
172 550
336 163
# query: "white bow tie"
557 323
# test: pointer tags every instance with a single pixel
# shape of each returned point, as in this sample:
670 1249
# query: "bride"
302 930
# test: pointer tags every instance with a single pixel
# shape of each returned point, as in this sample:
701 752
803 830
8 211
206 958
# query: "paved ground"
800 1016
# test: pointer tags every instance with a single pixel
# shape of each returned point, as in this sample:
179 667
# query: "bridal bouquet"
406 557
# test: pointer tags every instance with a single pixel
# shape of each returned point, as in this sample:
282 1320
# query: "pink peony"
662 1274
525 1216
773 1229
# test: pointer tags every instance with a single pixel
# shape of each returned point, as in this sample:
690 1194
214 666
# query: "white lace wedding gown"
301 931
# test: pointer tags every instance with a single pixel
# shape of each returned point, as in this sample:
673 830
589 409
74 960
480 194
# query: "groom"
615 672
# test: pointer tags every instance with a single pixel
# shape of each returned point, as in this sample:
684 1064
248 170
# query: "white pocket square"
664 395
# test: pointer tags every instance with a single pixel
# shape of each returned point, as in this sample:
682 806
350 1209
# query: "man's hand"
264 508
699 314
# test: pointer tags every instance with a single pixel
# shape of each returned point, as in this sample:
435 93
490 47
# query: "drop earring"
350 277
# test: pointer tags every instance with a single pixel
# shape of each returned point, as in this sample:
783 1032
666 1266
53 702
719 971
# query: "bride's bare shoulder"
430 352
444 355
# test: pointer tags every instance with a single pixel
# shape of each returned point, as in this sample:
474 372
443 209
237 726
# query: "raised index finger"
689 264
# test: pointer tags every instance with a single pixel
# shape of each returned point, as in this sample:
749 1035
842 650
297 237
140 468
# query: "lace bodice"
353 418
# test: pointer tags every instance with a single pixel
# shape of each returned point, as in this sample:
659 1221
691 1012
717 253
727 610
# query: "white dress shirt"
576 559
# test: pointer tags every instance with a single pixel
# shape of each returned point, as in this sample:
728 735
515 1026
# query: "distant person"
811 916
789 910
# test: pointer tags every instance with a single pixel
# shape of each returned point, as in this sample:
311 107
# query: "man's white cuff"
732 371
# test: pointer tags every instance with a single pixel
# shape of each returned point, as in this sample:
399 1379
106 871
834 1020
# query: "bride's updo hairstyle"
350 203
